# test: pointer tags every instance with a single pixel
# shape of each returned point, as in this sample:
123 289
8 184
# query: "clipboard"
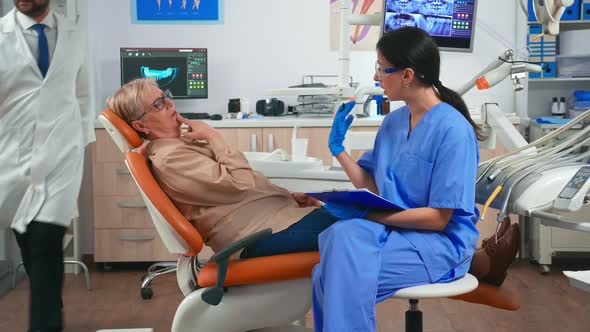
362 197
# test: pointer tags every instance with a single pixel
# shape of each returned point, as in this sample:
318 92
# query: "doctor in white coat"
46 120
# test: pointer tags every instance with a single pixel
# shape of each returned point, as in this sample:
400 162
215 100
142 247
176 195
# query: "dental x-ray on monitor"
183 71
450 22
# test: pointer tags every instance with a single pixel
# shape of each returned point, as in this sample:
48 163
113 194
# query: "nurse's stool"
430 291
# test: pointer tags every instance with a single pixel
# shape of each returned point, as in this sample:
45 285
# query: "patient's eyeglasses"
381 71
159 104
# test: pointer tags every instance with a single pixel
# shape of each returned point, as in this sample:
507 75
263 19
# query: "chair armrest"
240 244
213 295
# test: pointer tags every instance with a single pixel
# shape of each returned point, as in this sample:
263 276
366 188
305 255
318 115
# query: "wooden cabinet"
123 230
244 139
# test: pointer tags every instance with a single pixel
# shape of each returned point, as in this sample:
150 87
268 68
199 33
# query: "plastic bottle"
562 107
379 101
555 107
245 105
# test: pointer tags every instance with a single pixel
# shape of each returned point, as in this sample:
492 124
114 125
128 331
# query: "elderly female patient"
214 187
212 183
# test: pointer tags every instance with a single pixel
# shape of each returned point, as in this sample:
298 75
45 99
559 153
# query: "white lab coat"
45 125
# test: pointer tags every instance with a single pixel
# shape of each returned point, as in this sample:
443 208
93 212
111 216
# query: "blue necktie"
43 60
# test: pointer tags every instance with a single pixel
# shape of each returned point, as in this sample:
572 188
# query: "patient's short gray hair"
127 102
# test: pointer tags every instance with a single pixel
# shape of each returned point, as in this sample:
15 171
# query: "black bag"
270 107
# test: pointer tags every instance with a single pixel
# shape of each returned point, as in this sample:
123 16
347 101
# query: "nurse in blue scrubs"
425 160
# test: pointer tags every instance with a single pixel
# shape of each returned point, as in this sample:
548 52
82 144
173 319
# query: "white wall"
265 44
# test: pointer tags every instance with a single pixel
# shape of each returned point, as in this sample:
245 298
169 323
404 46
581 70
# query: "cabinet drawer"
120 212
113 179
130 245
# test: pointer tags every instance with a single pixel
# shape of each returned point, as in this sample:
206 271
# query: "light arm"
506 56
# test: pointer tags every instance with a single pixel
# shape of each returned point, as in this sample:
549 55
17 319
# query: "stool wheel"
147 293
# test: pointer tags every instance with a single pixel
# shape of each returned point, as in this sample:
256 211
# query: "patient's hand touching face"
198 130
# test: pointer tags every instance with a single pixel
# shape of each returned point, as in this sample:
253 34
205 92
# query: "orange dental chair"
256 294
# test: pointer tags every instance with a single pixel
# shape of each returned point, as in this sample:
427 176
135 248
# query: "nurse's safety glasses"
384 71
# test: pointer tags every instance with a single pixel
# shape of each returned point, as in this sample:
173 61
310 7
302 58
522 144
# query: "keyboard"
195 116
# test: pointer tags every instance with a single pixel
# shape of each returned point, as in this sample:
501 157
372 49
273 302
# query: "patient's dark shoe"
480 264
503 228
501 254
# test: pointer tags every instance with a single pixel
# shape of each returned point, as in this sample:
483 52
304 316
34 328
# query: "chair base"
153 271
413 317
256 307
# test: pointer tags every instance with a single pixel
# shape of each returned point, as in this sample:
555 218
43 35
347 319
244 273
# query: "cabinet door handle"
253 139
136 238
122 171
271 143
128 205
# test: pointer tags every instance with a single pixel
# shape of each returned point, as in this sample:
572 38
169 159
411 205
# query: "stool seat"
457 287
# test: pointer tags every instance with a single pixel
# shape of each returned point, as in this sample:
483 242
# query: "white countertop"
291 121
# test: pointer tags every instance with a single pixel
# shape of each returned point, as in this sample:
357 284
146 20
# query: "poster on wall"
179 11
362 37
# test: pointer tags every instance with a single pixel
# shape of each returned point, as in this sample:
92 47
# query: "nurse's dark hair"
413 48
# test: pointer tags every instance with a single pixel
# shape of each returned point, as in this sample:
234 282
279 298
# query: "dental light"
548 13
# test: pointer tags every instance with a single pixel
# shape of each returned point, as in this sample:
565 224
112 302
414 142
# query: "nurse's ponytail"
452 98
411 47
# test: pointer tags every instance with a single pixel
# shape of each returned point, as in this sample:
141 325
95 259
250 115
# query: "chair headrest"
124 136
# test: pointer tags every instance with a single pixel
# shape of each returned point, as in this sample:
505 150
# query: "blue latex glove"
346 211
340 125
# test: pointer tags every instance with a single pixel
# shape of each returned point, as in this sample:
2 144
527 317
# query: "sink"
274 164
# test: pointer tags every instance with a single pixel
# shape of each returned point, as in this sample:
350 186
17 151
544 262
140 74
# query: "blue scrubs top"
435 166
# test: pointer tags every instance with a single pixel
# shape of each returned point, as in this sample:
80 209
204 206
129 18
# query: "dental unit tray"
362 197
317 104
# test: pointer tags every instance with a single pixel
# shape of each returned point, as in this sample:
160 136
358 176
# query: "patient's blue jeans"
300 237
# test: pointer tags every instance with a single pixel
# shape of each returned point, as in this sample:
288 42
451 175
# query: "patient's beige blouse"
214 187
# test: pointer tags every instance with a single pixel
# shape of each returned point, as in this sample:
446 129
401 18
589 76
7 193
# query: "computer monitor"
181 70
450 22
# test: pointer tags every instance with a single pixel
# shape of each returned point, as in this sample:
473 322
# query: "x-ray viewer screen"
450 22
182 71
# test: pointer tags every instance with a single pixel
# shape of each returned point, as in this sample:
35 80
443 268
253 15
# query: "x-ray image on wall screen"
450 22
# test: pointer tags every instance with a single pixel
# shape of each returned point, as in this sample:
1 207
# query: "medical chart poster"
363 37
177 11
